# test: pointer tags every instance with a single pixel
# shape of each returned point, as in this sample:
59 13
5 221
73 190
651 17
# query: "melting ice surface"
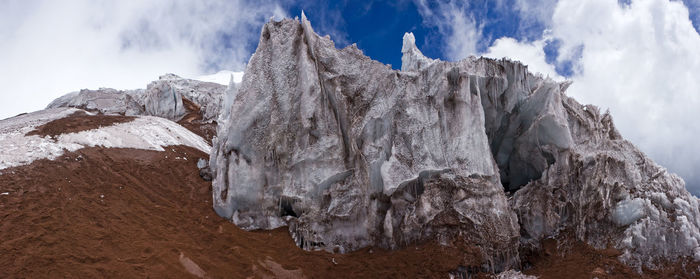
349 153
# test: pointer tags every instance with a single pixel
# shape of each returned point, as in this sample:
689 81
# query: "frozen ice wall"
162 98
349 153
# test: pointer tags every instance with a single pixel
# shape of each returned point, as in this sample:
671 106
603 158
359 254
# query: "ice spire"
413 59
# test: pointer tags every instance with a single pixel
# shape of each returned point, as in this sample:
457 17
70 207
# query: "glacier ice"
162 98
104 100
207 95
609 193
348 153
628 211
162 101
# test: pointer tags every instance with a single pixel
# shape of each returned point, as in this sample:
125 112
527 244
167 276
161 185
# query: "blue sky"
377 27
639 59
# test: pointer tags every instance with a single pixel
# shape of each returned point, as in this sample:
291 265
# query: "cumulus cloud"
694 9
49 48
463 36
638 59
642 62
535 11
454 22
529 53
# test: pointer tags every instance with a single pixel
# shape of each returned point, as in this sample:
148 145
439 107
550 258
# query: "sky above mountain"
638 58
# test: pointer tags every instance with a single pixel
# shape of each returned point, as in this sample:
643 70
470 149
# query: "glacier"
162 98
349 153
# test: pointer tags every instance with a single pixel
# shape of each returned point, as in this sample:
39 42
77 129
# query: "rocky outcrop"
349 153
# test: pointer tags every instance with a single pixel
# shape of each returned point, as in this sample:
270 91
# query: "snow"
145 132
222 77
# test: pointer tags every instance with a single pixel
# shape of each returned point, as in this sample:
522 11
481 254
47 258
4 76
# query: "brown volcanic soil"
77 122
563 258
133 213
193 121
80 121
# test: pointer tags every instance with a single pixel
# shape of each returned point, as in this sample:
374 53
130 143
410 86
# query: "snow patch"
145 132
222 77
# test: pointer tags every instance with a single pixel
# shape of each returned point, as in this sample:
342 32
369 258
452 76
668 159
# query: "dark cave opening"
286 208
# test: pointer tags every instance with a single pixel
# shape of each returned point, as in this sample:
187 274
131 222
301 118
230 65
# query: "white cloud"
462 35
222 77
694 8
640 60
529 53
49 48
535 11
459 28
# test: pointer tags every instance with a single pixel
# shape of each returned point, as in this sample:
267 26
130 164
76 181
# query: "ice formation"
104 100
610 194
162 98
145 132
349 153
162 101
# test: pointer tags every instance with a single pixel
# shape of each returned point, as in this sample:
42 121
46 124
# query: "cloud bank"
58 45
639 59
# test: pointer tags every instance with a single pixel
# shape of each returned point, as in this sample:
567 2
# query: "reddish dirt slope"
127 213
77 122
134 213
564 258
